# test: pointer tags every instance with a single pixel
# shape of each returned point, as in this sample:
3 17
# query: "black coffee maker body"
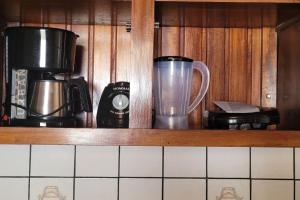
34 97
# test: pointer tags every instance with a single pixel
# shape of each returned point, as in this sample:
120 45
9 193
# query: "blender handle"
203 69
85 99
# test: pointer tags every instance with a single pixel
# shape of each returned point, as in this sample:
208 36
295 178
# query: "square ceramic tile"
97 161
228 189
187 189
96 188
272 189
297 163
272 162
52 160
14 160
137 189
9 186
185 162
58 188
141 161
228 162
297 189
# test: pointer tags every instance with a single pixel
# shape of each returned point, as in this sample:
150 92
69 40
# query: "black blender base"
54 122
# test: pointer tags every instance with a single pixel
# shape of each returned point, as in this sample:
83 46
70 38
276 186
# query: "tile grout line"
206 172
154 177
74 175
29 179
163 173
119 169
294 171
250 173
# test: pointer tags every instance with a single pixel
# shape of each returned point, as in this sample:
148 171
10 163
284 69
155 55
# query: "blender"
172 90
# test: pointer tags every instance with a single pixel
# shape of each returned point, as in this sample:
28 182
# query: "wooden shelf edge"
231 1
149 137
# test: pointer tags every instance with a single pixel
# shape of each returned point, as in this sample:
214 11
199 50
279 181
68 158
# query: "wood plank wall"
103 47
237 42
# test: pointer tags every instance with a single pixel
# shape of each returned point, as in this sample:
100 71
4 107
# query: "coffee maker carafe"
35 56
172 88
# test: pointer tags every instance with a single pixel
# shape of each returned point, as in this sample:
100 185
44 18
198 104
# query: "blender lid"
173 58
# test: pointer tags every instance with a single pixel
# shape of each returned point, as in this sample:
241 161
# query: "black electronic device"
34 97
241 121
113 110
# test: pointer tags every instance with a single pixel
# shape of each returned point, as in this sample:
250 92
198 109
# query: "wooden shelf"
234 1
149 137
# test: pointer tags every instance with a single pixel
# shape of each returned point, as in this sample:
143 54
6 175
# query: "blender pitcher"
172 90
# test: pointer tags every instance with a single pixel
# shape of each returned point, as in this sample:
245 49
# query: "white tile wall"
56 160
236 187
297 190
184 162
140 189
228 162
141 172
272 162
38 187
103 159
96 188
187 189
14 160
297 163
272 190
141 162
14 188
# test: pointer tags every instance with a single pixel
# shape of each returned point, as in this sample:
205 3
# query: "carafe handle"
85 99
203 69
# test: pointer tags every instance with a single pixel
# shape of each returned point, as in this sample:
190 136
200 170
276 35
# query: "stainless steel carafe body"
48 96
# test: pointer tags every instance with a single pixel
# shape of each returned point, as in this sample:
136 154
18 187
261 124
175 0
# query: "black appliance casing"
108 116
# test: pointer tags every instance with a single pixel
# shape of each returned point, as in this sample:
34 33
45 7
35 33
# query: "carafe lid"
173 58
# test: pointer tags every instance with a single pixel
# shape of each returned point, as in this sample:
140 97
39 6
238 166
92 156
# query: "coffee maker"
35 56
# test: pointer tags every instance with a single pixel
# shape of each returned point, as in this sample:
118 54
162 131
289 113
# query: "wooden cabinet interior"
237 41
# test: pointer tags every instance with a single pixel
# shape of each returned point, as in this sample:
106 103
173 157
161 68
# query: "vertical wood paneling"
123 60
142 42
2 81
269 57
216 54
170 41
240 51
238 43
254 53
196 52
237 65
102 64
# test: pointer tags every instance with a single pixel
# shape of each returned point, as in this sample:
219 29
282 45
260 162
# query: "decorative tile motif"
230 162
185 162
141 162
229 189
103 159
14 188
14 160
51 192
228 193
52 160
272 189
96 188
51 188
187 189
272 163
140 189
